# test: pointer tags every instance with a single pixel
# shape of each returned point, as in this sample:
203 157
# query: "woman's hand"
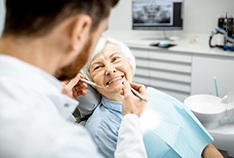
74 87
131 103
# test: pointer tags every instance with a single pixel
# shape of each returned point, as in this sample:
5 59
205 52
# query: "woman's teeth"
115 79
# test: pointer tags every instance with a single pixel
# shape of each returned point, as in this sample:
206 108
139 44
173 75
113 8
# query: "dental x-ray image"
157 13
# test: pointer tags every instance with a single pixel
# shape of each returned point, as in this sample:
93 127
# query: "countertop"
186 43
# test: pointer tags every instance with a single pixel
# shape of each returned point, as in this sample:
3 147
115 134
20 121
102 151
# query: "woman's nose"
110 69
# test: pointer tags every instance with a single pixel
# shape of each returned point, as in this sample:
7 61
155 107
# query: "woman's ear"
80 31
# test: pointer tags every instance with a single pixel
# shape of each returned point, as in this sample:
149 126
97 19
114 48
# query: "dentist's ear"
80 31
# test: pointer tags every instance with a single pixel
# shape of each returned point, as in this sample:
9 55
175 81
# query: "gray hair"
101 45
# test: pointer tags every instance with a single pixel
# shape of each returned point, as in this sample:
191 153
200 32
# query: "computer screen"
157 14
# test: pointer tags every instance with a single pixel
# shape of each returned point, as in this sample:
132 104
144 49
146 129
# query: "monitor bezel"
160 27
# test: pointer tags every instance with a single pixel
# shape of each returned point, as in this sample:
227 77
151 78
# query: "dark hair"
38 17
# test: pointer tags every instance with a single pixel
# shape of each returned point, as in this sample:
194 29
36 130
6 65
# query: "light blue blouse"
169 128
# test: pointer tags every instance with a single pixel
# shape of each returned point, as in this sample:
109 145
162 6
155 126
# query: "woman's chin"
116 85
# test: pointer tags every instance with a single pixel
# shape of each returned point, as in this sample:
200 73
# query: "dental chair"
87 104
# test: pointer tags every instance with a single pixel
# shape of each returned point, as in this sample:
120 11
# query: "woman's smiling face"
110 67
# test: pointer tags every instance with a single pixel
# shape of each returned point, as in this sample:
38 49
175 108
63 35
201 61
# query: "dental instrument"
216 87
92 83
138 94
96 85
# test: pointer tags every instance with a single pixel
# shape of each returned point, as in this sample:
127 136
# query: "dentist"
44 42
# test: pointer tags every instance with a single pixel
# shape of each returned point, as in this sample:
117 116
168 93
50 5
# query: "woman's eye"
115 58
97 67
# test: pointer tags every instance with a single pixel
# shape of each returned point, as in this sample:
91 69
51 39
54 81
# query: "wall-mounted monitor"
157 14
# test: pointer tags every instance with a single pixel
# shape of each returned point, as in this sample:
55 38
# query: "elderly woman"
169 128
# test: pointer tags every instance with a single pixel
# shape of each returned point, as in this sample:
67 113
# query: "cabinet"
182 74
164 70
142 66
205 68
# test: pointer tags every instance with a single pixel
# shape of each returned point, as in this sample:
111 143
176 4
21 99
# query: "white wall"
200 16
